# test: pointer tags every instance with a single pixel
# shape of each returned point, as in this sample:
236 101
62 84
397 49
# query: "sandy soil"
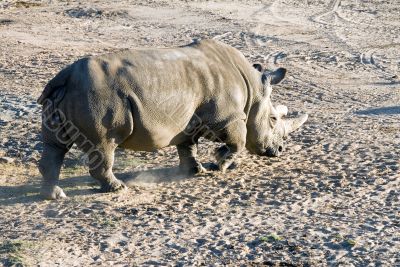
332 199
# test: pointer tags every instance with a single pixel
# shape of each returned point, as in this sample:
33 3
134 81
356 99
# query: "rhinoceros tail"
58 81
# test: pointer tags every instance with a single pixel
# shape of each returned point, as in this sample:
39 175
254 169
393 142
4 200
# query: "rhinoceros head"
267 126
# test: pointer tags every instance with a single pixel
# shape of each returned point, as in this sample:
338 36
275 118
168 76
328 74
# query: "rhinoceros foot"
191 170
211 166
52 192
114 186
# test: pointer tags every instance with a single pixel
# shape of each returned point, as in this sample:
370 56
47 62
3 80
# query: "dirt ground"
332 199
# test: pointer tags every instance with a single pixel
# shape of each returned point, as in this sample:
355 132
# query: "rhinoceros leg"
101 161
235 143
187 155
50 166
221 153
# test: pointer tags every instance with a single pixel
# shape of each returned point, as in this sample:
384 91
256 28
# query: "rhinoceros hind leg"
100 168
187 156
49 167
52 193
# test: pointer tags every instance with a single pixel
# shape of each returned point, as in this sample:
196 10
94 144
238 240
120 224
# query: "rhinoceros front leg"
187 155
100 167
235 144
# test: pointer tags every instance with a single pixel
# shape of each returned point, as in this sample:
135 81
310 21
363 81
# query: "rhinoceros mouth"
266 152
273 152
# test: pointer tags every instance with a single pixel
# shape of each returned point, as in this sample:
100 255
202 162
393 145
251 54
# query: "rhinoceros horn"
295 123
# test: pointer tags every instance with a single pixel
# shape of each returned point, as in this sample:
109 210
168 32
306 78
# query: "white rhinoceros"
145 99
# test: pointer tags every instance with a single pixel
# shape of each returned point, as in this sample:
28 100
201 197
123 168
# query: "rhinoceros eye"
273 118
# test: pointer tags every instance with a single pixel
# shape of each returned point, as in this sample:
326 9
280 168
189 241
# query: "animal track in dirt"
331 10
80 12
6 21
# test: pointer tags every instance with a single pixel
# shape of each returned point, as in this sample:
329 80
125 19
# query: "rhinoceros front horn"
292 125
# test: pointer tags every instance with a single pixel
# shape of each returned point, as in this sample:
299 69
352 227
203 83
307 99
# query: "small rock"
98 258
6 160
117 251
87 211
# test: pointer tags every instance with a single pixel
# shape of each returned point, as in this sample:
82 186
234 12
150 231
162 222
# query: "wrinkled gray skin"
147 99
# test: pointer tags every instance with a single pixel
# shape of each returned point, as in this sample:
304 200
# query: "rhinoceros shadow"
159 175
395 110
10 195
30 192
86 185
151 176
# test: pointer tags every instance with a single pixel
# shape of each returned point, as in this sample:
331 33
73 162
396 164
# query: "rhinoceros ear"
258 67
277 76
